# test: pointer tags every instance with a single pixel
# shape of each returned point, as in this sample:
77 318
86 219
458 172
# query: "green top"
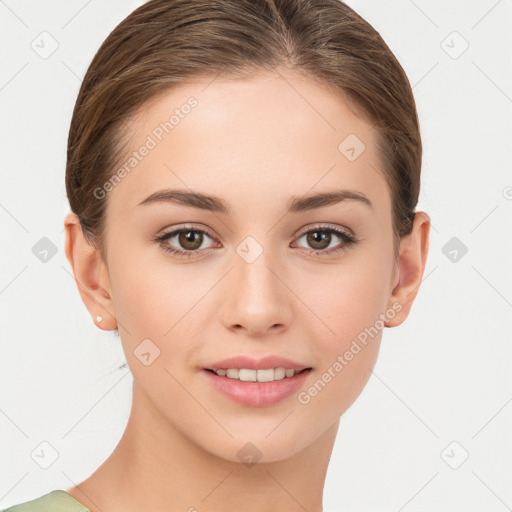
55 501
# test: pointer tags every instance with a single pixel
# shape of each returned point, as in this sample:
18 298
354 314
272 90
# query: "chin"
250 447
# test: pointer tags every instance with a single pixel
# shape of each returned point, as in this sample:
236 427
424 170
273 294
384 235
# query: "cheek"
161 303
141 303
347 298
348 303
151 295
146 309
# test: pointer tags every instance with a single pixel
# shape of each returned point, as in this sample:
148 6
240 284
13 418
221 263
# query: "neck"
156 467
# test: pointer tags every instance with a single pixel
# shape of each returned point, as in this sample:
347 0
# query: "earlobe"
90 273
411 266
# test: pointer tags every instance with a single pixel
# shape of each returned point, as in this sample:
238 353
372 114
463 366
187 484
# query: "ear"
411 265
91 273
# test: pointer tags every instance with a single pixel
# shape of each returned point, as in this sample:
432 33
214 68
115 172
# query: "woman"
243 177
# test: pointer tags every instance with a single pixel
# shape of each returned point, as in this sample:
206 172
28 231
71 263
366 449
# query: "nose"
258 301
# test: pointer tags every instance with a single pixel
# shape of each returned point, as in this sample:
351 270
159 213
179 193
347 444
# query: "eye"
189 238
321 237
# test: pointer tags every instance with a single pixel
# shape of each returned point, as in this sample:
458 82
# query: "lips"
264 363
256 394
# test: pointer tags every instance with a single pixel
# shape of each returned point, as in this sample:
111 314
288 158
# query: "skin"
255 143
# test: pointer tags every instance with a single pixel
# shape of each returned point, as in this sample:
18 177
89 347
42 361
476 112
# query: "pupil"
319 237
190 240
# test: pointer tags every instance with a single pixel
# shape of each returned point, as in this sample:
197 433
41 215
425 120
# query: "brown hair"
165 42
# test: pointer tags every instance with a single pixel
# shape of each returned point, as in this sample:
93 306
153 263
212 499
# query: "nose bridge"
257 296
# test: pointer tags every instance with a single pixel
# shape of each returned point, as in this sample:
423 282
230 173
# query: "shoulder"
54 501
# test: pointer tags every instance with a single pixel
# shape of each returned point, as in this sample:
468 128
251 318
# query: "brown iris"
194 238
317 239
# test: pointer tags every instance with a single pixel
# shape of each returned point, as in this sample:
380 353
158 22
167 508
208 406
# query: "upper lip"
270 361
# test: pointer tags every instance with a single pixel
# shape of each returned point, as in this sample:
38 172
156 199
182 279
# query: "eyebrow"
218 205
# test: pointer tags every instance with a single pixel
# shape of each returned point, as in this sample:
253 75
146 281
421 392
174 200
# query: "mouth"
248 390
262 375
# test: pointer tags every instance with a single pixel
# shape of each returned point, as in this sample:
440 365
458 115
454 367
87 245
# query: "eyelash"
347 239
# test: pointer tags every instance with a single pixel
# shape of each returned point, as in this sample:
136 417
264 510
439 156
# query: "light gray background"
441 389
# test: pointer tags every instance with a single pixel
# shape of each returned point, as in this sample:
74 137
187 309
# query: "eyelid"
323 225
184 227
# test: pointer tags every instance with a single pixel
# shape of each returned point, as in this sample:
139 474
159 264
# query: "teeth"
249 375
279 373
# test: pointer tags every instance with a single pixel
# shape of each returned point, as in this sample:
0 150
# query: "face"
261 271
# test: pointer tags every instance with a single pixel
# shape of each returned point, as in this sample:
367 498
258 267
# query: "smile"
256 393
250 375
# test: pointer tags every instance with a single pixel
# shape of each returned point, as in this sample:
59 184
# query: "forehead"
251 141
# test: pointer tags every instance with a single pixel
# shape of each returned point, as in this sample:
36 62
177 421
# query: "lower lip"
257 394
